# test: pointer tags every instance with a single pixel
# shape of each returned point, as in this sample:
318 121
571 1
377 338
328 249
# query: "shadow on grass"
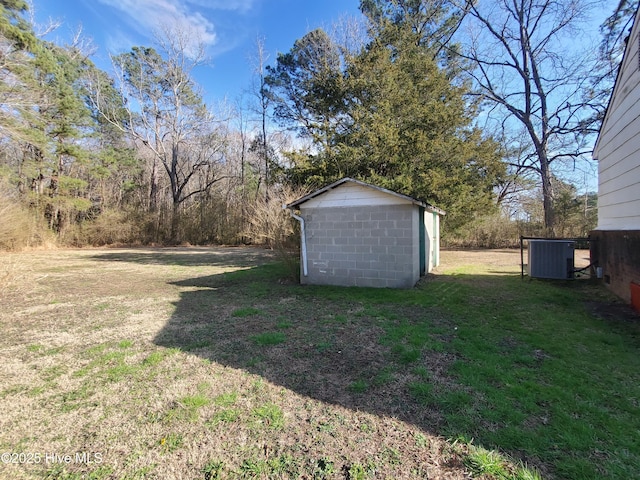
189 256
527 367
326 341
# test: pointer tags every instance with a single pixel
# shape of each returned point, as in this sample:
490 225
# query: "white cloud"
118 42
241 6
147 16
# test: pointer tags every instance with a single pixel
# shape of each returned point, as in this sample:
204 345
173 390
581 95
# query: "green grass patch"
75 399
324 346
14 390
269 338
284 324
281 466
357 471
384 377
53 372
213 470
226 415
226 399
195 401
423 392
491 464
124 344
61 472
270 415
154 358
171 442
528 370
187 408
246 312
359 386
539 369
406 354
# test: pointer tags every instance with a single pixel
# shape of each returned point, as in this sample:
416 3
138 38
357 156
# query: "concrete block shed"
357 234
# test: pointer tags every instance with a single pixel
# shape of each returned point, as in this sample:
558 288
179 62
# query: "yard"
207 363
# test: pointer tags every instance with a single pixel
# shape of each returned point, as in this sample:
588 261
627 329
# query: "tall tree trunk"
175 223
175 193
153 187
547 195
266 155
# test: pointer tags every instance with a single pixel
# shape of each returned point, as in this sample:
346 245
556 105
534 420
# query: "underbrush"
19 226
112 227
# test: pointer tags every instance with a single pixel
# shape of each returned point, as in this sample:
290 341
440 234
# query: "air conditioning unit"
551 258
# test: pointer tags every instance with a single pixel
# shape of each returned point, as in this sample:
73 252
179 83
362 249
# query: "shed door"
423 249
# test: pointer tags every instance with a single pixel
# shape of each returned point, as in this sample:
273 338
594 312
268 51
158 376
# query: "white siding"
353 195
432 225
435 250
618 146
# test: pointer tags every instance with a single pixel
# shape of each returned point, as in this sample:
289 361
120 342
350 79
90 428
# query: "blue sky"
228 27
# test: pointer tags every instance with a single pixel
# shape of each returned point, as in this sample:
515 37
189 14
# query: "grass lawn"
203 363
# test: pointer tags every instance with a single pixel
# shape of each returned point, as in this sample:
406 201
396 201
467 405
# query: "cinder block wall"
362 246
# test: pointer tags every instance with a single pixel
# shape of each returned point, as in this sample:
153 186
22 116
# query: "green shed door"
423 249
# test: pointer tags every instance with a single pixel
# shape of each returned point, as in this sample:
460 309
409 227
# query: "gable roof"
633 33
344 180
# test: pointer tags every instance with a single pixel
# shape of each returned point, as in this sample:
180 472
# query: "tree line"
476 107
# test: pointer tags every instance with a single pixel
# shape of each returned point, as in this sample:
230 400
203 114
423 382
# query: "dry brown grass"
20 227
145 357
17 225
506 260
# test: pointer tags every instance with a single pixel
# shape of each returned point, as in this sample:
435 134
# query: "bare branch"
521 65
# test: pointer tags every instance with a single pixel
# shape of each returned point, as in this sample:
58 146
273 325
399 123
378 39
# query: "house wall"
618 147
618 253
362 245
615 243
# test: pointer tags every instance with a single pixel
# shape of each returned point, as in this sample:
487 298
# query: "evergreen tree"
306 88
46 116
396 120
412 129
47 119
433 22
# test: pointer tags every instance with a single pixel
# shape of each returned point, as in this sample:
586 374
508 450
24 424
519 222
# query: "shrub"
113 227
18 226
273 226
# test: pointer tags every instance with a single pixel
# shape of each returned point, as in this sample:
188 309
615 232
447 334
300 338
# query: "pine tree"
396 120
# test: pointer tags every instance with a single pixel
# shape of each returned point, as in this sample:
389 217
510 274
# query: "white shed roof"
342 181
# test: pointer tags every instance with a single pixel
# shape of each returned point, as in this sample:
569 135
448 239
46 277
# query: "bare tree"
350 34
164 112
532 69
262 105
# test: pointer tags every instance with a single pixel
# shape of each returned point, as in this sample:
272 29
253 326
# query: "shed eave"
342 181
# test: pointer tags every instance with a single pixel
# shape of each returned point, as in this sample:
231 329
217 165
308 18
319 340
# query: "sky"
229 29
